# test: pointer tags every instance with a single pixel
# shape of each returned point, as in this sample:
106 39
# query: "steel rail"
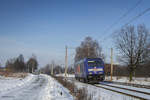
138 97
126 89
130 84
117 91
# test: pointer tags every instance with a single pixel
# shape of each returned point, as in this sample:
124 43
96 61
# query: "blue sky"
44 27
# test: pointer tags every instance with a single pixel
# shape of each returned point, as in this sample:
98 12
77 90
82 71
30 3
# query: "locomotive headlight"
100 69
90 72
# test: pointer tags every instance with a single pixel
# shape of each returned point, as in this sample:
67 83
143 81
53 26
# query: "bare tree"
134 46
19 64
57 69
88 48
32 64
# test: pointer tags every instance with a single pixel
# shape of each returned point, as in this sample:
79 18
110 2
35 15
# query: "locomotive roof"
86 59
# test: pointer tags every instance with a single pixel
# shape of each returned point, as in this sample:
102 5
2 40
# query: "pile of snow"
67 75
102 94
136 80
55 91
1 77
8 83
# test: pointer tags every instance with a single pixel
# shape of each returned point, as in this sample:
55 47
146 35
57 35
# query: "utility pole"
66 62
52 67
88 50
28 68
111 63
32 67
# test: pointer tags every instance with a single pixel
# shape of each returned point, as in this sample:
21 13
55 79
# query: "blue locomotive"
89 70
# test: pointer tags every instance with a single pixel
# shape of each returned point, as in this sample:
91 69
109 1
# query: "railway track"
142 95
130 84
132 91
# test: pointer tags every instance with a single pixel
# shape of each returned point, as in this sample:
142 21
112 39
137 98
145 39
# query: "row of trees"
18 64
133 44
122 70
57 69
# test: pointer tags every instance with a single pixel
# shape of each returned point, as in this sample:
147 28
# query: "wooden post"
88 50
52 67
66 63
111 63
32 69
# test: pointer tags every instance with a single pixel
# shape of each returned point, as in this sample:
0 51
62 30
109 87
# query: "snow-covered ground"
133 93
8 83
67 75
102 94
127 87
55 91
33 87
44 87
138 80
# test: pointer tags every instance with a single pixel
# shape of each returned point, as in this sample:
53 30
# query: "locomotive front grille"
95 76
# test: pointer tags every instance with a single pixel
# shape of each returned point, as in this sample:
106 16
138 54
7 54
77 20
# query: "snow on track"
127 87
33 87
133 93
136 80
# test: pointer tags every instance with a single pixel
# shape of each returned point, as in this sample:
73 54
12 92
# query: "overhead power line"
130 10
124 15
116 22
136 17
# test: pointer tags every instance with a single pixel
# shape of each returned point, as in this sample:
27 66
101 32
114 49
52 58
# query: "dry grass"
12 74
80 94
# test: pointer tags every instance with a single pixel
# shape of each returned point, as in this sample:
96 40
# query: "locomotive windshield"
94 63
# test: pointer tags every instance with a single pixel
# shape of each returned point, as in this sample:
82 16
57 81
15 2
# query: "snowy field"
138 80
8 83
33 87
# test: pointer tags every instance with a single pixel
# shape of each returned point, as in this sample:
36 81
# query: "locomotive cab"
95 70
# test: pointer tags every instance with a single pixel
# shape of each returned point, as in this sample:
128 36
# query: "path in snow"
27 92
40 87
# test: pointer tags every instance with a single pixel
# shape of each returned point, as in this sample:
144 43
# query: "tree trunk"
131 75
32 69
